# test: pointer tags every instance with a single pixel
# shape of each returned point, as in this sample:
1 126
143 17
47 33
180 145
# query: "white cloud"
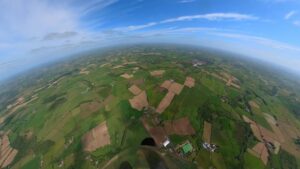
289 14
212 17
297 23
25 23
186 1
261 40
93 5
278 1
60 35
30 18
136 27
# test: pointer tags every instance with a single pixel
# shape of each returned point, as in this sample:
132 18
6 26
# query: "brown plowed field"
96 138
179 127
207 132
166 101
135 90
189 82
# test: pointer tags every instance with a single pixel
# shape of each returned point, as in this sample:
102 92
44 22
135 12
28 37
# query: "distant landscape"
151 105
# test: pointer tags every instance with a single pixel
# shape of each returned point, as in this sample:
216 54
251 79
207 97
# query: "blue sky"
38 31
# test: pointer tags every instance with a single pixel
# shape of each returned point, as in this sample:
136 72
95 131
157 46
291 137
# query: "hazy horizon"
85 53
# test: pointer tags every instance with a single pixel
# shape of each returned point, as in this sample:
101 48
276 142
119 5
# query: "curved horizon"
53 30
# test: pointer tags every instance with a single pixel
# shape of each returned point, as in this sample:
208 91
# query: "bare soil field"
9 158
158 134
247 120
118 66
270 119
260 151
253 153
230 82
129 62
207 132
83 71
105 64
90 106
179 127
145 123
124 63
7 153
255 130
253 104
267 134
96 138
281 137
87 109
127 76
273 123
157 73
189 82
289 133
290 130
137 82
166 101
166 84
227 78
258 148
17 105
140 101
135 90
264 155
176 88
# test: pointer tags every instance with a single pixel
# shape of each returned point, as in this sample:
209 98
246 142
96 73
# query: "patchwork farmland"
188 108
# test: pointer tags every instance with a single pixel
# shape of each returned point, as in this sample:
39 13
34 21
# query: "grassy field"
57 120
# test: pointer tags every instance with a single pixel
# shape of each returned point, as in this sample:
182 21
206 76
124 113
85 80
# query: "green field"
58 119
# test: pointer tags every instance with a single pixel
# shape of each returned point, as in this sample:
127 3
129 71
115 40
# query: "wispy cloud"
290 14
93 5
136 27
210 16
60 35
26 19
278 1
213 17
186 1
260 40
297 23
